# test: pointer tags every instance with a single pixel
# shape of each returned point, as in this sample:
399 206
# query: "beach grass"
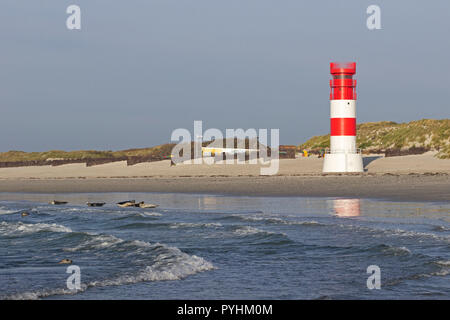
428 134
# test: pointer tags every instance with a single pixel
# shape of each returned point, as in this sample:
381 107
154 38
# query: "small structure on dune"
287 152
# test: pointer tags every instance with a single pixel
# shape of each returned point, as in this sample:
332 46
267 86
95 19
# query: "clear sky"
139 69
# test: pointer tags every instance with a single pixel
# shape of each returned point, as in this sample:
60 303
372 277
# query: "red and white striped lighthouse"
343 155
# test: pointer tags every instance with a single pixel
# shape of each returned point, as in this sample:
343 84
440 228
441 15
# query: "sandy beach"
406 178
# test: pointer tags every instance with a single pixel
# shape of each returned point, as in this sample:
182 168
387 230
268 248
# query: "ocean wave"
445 263
441 273
181 266
381 232
160 263
376 232
393 250
416 234
440 229
141 225
136 215
14 228
169 225
445 268
306 223
258 218
248 230
150 214
123 213
95 241
274 220
6 211
169 266
194 225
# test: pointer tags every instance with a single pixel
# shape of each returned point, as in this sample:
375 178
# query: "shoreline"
432 187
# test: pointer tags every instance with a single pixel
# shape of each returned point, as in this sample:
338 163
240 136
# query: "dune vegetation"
20 156
425 134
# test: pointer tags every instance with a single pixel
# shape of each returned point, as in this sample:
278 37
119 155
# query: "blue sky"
139 69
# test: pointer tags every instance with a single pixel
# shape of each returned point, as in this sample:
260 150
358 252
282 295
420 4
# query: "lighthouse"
343 155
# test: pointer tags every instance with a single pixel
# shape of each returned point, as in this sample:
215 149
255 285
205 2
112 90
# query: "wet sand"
394 187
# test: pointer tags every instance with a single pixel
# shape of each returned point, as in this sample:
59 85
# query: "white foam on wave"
170 264
306 223
417 234
173 264
247 230
445 270
441 273
257 218
441 228
381 232
445 263
275 220
180 267
397 251
150 214
96 241
194 225
11 228
6 211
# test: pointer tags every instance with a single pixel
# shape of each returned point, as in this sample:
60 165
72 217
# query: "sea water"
222 247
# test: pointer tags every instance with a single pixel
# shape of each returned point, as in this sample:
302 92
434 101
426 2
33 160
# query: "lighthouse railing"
334 151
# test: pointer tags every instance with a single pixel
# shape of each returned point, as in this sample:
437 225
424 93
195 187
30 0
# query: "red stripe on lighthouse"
343 126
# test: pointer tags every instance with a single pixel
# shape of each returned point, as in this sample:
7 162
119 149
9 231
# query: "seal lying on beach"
124 204
146 205
95 204
65 261
57 202
132 203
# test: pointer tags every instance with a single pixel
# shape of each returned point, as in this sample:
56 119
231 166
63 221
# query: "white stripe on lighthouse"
343 109
342 144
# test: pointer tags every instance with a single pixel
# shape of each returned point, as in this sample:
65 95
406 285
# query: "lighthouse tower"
343 155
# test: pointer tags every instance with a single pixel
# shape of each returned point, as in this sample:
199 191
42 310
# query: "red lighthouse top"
343 87
342 68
